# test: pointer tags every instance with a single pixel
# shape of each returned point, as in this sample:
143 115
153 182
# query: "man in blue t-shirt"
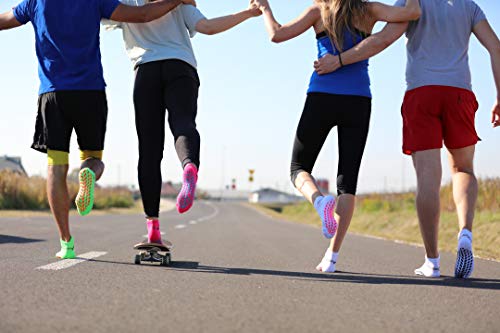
72 90
439 107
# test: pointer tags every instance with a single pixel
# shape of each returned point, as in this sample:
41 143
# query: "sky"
251 97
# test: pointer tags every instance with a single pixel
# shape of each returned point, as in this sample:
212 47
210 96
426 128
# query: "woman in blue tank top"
339 99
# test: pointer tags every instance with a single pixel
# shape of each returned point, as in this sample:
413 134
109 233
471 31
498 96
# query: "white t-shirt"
165 38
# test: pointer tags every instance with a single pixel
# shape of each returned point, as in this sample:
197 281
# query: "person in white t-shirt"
166 79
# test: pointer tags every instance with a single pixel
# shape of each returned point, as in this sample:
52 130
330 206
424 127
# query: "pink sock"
154 234
186 195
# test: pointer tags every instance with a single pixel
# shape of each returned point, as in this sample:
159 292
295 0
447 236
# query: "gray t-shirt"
165 38
438 43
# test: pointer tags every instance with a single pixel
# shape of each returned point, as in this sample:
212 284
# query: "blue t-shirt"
349 80
67 41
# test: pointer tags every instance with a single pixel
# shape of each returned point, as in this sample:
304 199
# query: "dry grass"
22 193
393 216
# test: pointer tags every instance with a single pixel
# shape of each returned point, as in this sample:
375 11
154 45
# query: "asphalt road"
234 270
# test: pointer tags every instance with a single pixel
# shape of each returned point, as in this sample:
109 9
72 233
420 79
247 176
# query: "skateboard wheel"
165 261
137 260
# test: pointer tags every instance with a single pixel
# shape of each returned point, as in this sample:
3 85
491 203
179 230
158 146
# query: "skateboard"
153 252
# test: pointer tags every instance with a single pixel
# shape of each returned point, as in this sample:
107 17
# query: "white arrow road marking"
67 263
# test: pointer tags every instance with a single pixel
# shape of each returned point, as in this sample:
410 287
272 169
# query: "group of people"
439 105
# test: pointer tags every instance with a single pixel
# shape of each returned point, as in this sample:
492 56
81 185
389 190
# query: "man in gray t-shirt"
439 106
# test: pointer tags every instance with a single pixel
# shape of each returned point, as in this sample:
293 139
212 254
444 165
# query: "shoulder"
189 9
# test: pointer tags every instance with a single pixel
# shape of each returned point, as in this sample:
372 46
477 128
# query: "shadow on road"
347 277
6 239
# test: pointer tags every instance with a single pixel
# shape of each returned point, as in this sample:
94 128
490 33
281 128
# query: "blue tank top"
349 80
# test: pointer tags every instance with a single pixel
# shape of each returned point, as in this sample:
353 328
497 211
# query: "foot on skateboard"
154 252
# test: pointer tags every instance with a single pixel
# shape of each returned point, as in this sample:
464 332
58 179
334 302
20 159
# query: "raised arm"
281 33
386 13
221 24
8 21
489 40
149 12
369 47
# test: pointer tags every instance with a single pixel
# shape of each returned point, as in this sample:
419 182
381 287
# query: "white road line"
192 222
211 216
66 263
180 226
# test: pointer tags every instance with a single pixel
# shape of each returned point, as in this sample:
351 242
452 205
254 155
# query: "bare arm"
221 24
147 13
382 12
364 50
489 40
8 21
281 33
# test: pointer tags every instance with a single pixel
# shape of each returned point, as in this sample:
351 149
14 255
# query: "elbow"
209 31
415 14
277 39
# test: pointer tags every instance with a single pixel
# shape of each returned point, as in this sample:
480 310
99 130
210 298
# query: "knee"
295 170
468 169
345 185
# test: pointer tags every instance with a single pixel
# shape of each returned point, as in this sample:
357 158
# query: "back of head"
341 15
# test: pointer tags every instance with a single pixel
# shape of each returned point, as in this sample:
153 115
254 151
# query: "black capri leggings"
322 112
159 86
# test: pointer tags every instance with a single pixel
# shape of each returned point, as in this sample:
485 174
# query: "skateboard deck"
151 252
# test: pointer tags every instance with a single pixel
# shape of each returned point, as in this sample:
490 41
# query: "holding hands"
254 8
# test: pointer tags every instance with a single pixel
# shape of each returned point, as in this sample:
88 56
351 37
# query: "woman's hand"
261 4
495 117
254 8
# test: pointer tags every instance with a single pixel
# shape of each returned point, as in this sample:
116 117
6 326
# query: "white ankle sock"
465 239
328 262
430 268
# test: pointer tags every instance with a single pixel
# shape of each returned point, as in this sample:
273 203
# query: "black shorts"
62 111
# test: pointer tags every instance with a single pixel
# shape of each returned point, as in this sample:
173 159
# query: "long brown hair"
340 15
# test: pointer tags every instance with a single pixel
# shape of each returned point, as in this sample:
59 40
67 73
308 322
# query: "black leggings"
322 112
162 85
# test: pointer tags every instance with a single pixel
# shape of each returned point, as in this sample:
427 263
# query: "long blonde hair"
340 15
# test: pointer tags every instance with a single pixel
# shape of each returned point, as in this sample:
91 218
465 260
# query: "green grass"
393 216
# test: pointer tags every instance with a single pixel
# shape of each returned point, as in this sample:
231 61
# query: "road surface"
234 270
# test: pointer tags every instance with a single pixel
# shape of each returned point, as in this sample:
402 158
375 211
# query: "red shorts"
433 114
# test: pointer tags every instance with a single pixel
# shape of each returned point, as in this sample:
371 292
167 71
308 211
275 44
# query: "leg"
465 190
465 186
181 96
150 126
181 101
353 133
428 168
89 112
57 193
312 131
354 123
54 133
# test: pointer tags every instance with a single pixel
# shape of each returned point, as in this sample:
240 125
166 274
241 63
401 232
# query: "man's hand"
189 2
495 117
329 63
